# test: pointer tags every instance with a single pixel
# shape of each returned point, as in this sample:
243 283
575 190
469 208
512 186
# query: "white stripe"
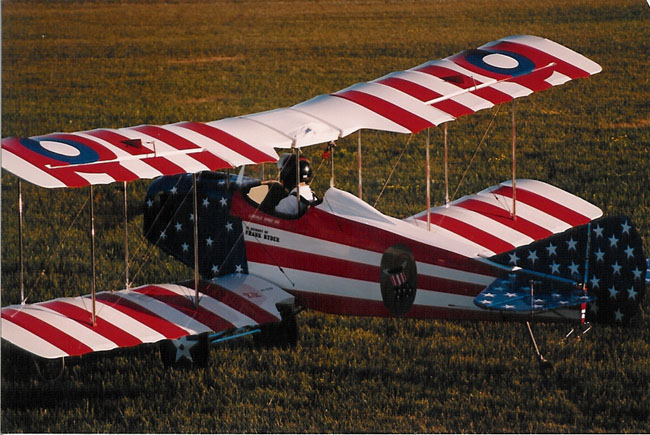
29 341
525 211
215 306
253 133
272 295
485 224
559 196
96 177
165 311
358 289
346 115
515 90
317 282
450 274
115 317
71 327
557 78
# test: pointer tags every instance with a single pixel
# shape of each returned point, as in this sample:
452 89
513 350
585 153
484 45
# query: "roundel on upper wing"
62 150
500 62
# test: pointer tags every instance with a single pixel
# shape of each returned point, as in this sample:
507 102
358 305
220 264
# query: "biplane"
520 250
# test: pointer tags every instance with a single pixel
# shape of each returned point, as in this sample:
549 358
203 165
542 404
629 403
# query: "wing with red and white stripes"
63 327
405 101
484 220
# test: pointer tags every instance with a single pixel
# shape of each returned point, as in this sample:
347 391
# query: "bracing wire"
393 169
478 147
60 243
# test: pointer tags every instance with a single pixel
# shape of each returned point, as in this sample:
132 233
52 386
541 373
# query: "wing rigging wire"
59 245
393 170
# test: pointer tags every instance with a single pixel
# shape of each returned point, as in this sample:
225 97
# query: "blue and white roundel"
63 150
500 62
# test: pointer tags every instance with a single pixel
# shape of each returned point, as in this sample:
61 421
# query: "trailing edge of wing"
404 101
147 314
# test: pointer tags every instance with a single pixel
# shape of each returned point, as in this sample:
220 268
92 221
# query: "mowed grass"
69 66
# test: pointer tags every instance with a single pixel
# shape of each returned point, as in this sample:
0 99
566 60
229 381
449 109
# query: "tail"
605 255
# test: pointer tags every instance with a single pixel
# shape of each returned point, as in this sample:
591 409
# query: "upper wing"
483 220
404 101
147 314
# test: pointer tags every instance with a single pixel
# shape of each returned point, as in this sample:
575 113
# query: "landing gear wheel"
190 351
282 334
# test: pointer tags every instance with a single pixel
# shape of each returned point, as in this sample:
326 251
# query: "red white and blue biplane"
520 249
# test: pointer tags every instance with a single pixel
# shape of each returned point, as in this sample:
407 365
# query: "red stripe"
169 137
386 109
472 233
422 93
47 332
142 315
330 266
186 306
544 204
275 255
164 165
68 178
101 327
208 159
503 216
229 141
113 169
410 88
492 95
161 164
450 76
452 107
536 80
239 303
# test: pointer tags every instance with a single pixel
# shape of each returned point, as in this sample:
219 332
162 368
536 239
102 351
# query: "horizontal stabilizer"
526 292
147 314
606 255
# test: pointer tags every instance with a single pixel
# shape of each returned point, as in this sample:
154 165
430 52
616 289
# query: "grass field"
69 66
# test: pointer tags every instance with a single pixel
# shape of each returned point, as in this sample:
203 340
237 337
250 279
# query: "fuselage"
330 259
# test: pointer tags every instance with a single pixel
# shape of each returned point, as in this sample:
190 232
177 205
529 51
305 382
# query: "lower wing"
64 327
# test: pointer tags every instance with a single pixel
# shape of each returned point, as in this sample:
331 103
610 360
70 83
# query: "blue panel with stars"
169 222
613 269
524 292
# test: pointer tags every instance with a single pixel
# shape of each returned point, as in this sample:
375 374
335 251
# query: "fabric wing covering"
147 314
405 102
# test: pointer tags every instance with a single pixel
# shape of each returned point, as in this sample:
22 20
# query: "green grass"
69 66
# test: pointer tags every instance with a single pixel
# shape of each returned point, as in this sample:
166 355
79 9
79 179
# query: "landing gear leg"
49 369
283 334
544 363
